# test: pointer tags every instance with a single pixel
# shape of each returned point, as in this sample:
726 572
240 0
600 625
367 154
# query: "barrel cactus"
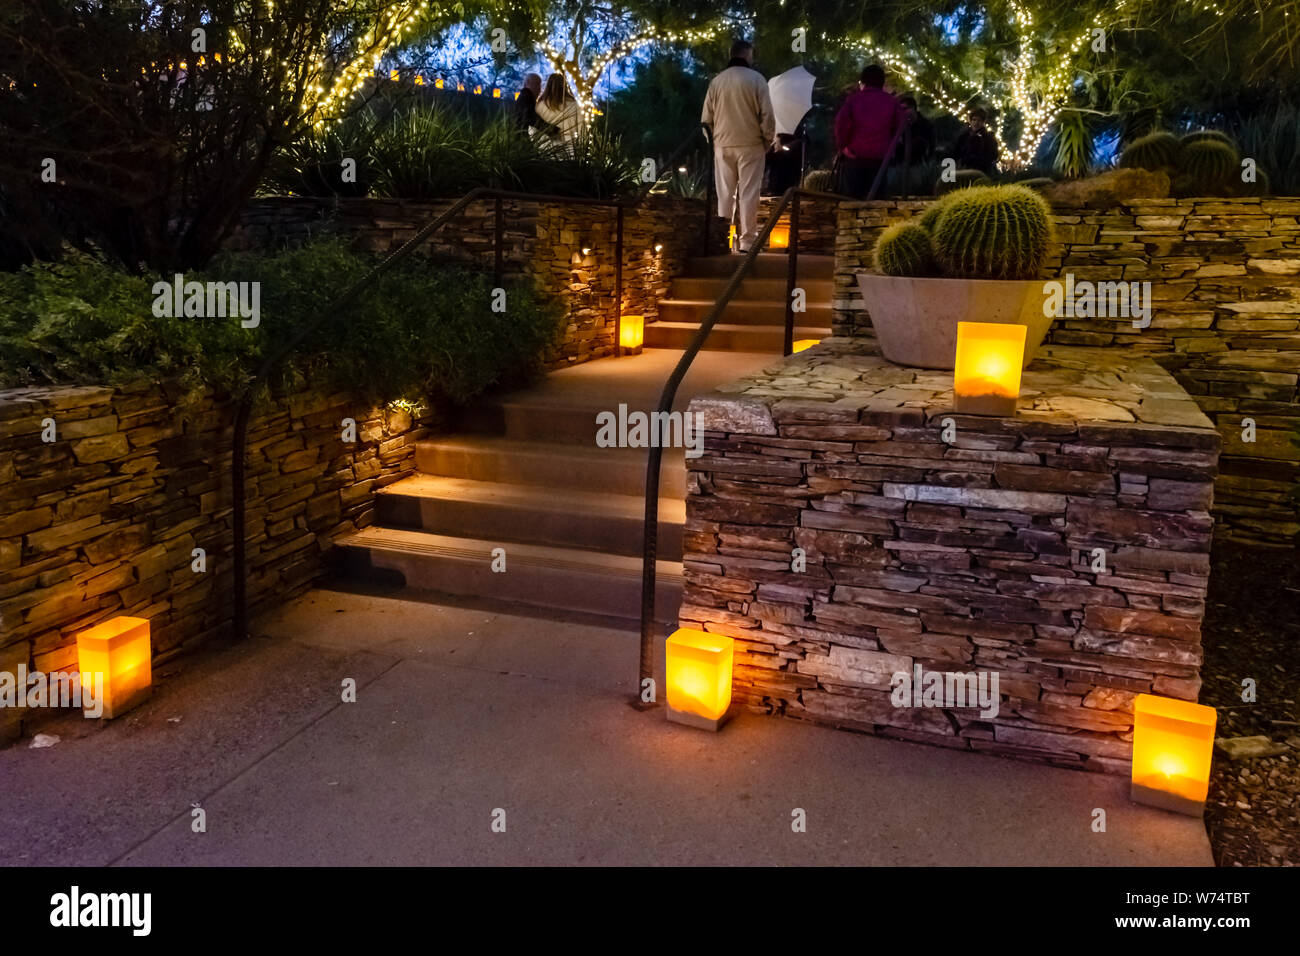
1152 151
932 213
819 180
904 249
1210 166
993 232
1208 135
964 178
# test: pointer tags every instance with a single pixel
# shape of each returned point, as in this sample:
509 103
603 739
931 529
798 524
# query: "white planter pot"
915 319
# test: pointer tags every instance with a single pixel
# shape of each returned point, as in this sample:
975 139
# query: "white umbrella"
791 97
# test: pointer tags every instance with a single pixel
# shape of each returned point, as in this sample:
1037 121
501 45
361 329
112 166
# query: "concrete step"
590 520
768 265
727 337
754 290
540 576
743 312
572 467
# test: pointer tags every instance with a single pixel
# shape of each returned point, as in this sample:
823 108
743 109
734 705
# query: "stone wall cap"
844 380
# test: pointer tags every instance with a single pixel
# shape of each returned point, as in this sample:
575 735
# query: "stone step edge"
399 540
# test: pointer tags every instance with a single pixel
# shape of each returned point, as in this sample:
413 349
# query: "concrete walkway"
463 711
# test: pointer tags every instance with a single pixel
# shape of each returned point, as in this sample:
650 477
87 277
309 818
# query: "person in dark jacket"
977 147
525 115
920 136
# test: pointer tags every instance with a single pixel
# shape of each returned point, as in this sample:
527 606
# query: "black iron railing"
650 539
271 362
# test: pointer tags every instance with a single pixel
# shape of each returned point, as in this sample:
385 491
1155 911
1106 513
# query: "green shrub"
1208 167
420 332
1271 137
435 152
1153 151
819 180
313 164
965 178
426 153
904 249
993 232
1035 182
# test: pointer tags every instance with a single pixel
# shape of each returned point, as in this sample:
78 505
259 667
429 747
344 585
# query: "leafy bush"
1272 139
904 249
431 151
312 165
993 232
418 332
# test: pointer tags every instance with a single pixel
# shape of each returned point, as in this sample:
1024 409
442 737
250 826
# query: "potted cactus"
973 256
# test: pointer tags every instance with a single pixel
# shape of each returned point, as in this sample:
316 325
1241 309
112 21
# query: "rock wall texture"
542 242
1225 285
1065 550
104 519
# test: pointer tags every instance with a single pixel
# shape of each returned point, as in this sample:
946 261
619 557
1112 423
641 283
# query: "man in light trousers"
738 107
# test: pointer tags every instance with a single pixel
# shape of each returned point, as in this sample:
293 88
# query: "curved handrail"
239 441
650 538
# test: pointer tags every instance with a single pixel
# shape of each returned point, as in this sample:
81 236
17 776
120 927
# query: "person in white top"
738 107
558 107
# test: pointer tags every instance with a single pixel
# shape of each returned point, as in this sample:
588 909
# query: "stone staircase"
522 473
754 320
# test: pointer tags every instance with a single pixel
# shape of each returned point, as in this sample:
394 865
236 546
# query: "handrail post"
498 231
791 277
618 281
889 154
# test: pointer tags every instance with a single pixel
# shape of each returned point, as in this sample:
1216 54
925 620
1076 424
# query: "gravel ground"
1252 630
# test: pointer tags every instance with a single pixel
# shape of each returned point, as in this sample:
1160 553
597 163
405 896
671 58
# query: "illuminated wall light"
986 374
699 677
119 649
1172 744
496 93
779 238
801 344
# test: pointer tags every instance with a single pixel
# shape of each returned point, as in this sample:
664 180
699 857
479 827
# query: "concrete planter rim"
915 317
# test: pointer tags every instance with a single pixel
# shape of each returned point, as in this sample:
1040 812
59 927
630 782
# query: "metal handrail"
650 537
239 442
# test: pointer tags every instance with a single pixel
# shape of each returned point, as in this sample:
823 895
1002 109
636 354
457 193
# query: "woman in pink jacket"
864 129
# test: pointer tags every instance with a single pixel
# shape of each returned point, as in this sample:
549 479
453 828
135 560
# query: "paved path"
462 711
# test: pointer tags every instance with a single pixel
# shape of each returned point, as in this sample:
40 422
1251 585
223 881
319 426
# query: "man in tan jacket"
739 109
